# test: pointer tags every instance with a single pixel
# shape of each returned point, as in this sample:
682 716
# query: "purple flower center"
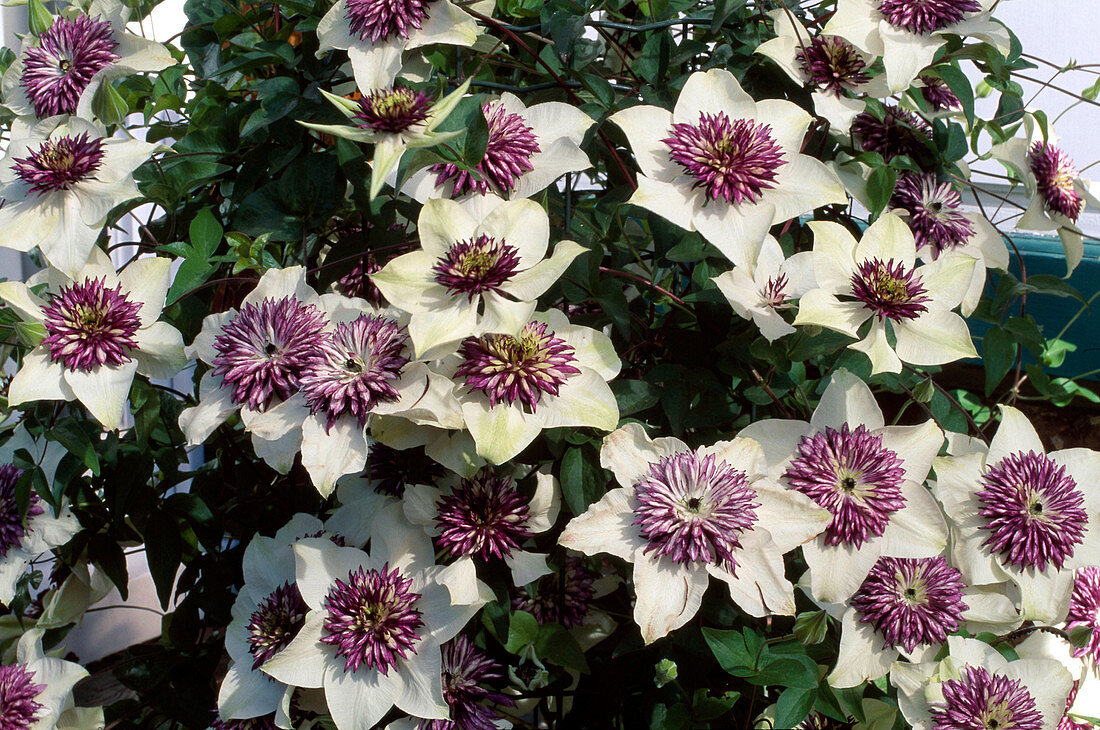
900 132
484 516
13 525
382 20
392 470
774 292
561 597
733 160
890 290
850 473
263 722
265 349
508 153
911 601
275 623
938 94
925 16
68 55
1054 176
983 701
1084 611
355 368
358 283
476 265
18 708
832 64
694 509
934 214
89 325
393 110
372 619
60 163
465 668
510 369
1034 510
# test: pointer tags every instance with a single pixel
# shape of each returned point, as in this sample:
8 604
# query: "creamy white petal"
669 594
863 654
847 399
103 391
606 527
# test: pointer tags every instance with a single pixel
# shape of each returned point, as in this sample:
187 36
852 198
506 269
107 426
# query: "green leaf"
523 629
731 651
811 627
793 705
1052 285
706 707
580 485
477 139
162 550
786 670
76 440
107 554
555 644
998 354
108 104
635 395
960 86
1054 354
206 233
880 186
39 19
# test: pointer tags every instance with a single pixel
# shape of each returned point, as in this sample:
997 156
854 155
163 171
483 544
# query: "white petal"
906 54
735 229
524 225
445 24
863 654
246 693
858 22
645 127
833 258
759 587
553 120
779 437
802 185
545 503
606 527
836 571
847 399
527 567
500 431
918 529
330 453
1014 434
791 518
822 308
933 338
713 91
948 278
160 351
878 350
1049 684
888 238
422 685
628 452
103 391
916 446
215 405
358 700
375 67
583 400
674 201
531 284
39 378
302 662
669 594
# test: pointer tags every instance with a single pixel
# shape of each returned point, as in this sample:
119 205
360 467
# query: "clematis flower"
60 71
1023 515
1058 193
101 328
1083 701
257 357
1084 612
869 477
975 687
36 691
831 66
934 213
772 283
907 33
394 119
376 33
527 150
684 515
564 597
484 251
879 281
486 517
898 132
908 606
725 165
59 178
533 371
360 367
25 536
367 667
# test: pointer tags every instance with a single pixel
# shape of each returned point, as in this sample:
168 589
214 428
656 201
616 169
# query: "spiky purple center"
1084 611
89 325
355 368
484 517
735 160
693 508
850 473
911 602
508 368
265 349
774 291
359 284
60 163
889 289
508 153
391 470
465 669
275 623
899 132
938 94
372 619
393 110
1054 176
832 64
382 20
935 214
476 265
926 16
13 525
69 53
1034 511
19 709
979 700
561 597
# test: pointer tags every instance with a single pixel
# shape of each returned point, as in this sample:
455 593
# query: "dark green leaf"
162 550
635 395
206 233
793 705
580 480
998 354
880 186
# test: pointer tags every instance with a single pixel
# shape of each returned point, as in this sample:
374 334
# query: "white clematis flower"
770 284
684 515
38 690
879 281
101 328
725 165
